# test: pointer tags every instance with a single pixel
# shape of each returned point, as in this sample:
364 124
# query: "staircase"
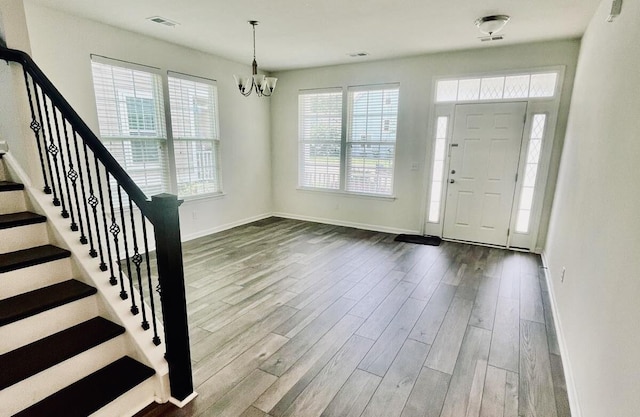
58 355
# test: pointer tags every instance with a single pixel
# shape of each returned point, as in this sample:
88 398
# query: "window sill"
209 196
348 194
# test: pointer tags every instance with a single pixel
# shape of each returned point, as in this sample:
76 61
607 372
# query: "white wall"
415 75
595 225
14 112
61 45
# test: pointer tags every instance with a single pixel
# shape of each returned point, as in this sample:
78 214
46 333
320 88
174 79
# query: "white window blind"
320 138
130 109
371 139
193 104
131 115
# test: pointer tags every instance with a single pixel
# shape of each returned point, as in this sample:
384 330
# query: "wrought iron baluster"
83 237
112 278
114 229
156 339
137 260
72 175
91 200
134 307
64 211
103 266
52 150
36 127
52 189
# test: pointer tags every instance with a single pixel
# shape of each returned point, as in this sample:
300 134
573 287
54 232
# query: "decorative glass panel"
516 86
497 88
491 88
469 89
437 173
543 85
447 90
530 173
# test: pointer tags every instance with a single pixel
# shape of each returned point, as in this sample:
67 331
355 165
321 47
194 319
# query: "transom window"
497 88
131 116
358 159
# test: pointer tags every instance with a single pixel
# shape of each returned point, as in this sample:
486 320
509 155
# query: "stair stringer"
138 342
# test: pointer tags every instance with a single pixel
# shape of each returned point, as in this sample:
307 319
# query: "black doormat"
422 240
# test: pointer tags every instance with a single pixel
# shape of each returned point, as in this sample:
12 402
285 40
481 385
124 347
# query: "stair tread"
32 256
10 186
93 392
22 218
28 360
33 302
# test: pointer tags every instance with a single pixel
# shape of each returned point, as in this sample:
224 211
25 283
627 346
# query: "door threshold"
488 245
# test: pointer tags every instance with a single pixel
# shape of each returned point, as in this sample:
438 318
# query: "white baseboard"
364 226
221 228
574 404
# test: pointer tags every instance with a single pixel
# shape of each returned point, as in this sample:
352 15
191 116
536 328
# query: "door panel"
484 154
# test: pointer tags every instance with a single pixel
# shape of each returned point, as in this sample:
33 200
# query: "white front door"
484 153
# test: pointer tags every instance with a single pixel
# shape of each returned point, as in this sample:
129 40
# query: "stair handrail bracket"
111 215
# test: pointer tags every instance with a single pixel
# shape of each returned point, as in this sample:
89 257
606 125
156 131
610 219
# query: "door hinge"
516 177
524 120
508 231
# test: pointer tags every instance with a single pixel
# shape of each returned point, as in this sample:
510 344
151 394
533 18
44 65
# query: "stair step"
22 218
33 302
32 256
10 186
93 392
40 355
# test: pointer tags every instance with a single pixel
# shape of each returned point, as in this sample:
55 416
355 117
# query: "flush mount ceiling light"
262 85
492 24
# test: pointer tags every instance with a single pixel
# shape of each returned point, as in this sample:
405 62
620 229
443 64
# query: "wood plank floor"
291 318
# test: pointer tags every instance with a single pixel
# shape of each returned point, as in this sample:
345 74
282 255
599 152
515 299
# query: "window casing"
358 159
130 101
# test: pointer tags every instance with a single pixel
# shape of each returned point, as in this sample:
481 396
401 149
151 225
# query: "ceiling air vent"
491 38
163 21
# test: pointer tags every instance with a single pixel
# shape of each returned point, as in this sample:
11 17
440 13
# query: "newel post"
172 293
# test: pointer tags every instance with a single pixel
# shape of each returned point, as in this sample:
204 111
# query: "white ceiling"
307 33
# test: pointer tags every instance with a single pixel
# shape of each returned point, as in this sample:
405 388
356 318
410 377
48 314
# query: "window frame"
346 111
168 165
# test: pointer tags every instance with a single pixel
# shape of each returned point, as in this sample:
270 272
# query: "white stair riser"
12 202
30 329
33 277
31 390
23 237
131 401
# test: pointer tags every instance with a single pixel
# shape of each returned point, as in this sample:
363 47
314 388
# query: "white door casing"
484 153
